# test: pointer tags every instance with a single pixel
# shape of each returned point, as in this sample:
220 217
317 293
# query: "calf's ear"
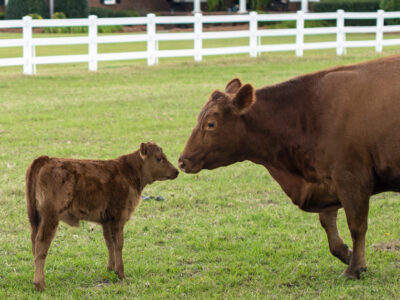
244 99
143 150
233 86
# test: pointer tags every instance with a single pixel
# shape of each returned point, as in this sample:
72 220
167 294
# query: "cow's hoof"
347 257
39 286
120 275
344 253
353 275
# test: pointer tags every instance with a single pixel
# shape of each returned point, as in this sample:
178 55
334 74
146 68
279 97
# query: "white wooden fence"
29 60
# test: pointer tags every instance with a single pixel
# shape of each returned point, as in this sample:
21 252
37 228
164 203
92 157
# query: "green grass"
228 233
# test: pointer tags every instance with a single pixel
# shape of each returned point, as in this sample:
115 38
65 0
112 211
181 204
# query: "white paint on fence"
29 60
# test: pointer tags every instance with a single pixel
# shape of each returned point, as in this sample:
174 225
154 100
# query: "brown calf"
101 191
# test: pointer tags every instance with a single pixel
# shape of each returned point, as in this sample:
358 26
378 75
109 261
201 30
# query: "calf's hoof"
349 274
39 286
120 275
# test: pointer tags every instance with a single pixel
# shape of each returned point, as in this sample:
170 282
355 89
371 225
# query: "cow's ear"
244 99
143 150
233 86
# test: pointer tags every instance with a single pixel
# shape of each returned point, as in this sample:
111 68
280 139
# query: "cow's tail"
30 191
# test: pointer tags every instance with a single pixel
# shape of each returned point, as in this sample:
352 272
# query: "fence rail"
29 60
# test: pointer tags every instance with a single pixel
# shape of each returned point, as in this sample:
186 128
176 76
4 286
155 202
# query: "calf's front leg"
118 238
107 234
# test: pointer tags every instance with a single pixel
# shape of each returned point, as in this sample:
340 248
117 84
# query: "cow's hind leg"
107 234
45 235
354 195
118 238
336 245
357 220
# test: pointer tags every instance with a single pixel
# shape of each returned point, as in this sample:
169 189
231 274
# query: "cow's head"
217 139
155 164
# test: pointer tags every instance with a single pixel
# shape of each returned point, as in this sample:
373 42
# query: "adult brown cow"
331 139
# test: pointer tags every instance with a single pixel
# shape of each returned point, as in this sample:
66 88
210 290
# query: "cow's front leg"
118 238
336 245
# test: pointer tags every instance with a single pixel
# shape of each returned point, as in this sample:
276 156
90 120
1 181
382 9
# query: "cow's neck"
280 129
132 165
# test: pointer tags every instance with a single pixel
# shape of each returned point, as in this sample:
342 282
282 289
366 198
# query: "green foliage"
35 16
346 5
391 5
16 9
101 12
350 6
59 15
259 4
2 15
83 29
215 5
73 8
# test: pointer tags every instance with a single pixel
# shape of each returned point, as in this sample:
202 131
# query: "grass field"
228 233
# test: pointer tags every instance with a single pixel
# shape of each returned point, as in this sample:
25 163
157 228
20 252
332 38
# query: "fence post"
253 26
340 32
151 39
92 43
198 42
380 20
300 33
27 50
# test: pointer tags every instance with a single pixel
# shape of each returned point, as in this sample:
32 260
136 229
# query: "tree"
73 8
16 9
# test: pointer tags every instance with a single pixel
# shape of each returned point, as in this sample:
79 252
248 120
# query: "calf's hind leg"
45 235
110 246
336 245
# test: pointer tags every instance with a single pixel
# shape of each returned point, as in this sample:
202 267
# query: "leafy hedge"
109 13
391 5
16 9
73 8
349 5
346 5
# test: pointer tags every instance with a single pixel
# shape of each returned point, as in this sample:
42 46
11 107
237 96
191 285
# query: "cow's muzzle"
187 166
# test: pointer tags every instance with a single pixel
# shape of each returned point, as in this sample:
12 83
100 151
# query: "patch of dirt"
389 246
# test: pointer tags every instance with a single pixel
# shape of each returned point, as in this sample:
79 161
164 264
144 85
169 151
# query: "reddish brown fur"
102 191
330 139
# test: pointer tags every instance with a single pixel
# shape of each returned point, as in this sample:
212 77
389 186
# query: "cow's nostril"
181 163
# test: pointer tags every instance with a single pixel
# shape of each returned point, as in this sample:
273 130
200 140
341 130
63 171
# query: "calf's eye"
159 159
211 125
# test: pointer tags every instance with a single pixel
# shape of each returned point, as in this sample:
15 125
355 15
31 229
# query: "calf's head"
219 135
155 164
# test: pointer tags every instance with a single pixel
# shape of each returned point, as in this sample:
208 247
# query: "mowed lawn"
228 233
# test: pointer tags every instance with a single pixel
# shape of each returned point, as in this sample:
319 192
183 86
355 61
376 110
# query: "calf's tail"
30 190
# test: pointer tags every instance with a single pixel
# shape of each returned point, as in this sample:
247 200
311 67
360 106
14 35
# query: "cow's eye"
159 159
210 125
